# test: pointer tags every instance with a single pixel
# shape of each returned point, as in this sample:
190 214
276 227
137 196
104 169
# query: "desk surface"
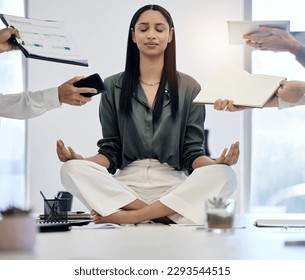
153 242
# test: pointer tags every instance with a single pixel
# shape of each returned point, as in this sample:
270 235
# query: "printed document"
46 40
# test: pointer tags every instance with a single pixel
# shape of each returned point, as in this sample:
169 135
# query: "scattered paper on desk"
103 226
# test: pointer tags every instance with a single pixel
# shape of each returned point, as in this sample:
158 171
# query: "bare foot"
148 212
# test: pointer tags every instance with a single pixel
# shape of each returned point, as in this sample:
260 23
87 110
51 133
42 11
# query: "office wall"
100 28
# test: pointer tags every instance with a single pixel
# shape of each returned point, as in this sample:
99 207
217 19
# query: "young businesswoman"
32 104
151 162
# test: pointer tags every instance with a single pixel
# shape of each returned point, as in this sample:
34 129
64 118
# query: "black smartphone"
92 81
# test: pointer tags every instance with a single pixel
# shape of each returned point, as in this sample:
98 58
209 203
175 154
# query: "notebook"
74 216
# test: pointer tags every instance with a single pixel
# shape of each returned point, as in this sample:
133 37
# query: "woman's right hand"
64 154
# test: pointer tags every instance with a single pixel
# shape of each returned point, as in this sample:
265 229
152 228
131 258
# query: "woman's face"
152 33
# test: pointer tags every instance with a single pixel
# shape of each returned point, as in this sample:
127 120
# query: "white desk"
153 242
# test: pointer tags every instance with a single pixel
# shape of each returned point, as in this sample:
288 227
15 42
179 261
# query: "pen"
14 40
43 195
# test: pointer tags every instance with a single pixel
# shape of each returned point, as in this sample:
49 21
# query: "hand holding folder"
243 88
45 39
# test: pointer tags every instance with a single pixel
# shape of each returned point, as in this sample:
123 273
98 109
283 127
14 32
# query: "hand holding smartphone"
92 81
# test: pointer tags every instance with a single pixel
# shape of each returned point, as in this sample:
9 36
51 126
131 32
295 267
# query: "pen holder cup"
220 215
66 195
56 209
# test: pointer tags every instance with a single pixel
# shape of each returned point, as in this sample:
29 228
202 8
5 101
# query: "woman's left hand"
229 157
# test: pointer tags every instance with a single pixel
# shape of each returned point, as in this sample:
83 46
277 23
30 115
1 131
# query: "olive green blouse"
175 142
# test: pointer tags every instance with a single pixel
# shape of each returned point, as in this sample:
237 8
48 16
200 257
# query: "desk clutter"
57 214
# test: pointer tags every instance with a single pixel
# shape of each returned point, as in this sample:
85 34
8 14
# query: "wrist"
59 95
295 46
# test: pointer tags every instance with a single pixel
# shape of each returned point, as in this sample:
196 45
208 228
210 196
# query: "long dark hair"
132 71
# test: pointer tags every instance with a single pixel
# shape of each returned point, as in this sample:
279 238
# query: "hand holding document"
238 85
45 39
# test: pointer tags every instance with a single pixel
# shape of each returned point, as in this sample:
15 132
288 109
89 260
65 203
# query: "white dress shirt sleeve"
27 105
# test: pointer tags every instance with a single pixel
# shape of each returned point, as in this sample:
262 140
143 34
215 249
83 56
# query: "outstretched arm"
276 39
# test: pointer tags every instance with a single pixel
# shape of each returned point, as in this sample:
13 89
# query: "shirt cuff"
300 56
283 104
50 98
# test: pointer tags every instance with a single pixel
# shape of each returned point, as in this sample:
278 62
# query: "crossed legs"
134 213
113 201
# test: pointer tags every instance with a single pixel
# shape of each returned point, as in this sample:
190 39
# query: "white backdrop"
100 29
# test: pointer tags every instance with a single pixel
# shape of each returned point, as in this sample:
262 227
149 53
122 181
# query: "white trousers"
149 181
